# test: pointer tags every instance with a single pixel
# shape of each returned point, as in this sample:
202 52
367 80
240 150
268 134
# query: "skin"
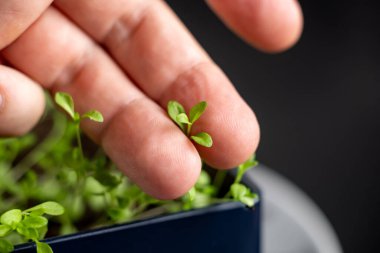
127 59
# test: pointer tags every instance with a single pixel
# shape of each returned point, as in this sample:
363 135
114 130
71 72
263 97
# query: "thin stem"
59 125
188 129
79 141
219 180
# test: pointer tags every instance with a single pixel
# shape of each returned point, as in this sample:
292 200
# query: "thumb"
22 102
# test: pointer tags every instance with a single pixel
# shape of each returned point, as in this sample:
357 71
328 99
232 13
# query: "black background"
318 106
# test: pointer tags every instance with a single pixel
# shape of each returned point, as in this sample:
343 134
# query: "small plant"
65 101
238 191
178 115
29 224
60 168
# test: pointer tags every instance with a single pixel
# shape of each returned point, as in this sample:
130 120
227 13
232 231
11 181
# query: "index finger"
159 54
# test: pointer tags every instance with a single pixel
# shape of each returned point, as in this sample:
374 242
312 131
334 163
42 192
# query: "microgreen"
240 192
29 224
56 168
66 102
243 194
178 114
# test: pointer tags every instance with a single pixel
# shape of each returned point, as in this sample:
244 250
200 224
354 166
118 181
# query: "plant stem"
219 180
79 141
188 129
59 126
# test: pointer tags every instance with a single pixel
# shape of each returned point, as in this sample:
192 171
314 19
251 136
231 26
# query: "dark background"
318 106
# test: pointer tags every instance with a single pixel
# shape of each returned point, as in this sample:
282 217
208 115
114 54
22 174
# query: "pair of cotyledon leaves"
65 101
177 113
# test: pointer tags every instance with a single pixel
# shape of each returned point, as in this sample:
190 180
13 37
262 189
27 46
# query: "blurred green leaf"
11 217
35 221
203 139
5 246
197 111
174 109
65 101
93 115
4 230
43 247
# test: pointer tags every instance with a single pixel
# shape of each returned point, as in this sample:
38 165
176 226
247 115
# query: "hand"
127 59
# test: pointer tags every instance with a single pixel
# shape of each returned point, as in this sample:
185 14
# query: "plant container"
226 227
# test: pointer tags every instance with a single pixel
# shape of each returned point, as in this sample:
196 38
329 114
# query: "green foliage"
65 101
174 109
244 167
5 246
93 115
49 207
243 194
203 139
43 248
197 111
32 174
178 114
28 224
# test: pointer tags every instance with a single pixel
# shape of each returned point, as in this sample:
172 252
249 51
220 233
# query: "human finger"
160 55
21 102
136 133
269 25
16 16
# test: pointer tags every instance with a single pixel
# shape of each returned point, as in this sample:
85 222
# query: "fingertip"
151 150
22 103
271 25
235 140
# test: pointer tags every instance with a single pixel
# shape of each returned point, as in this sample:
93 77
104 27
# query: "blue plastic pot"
227 227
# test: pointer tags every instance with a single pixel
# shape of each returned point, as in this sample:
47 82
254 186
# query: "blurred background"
318 105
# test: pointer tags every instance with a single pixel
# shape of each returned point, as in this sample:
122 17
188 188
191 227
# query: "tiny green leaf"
182 118
243 194
29 233
238 190
52 208
107 179
5 246
65 101
43 247
244 167
175 108
93 115
203 139
35 221
191 194
197 111
76 117
11 217
4 230
49 207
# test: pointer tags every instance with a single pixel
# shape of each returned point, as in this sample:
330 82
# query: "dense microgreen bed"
53 173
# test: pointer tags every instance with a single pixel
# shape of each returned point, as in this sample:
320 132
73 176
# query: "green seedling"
29 224
66 102
185 122
56 168
240 192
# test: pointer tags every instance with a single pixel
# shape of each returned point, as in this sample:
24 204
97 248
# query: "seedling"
65 101
29 224
238 191
185 122
58 169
